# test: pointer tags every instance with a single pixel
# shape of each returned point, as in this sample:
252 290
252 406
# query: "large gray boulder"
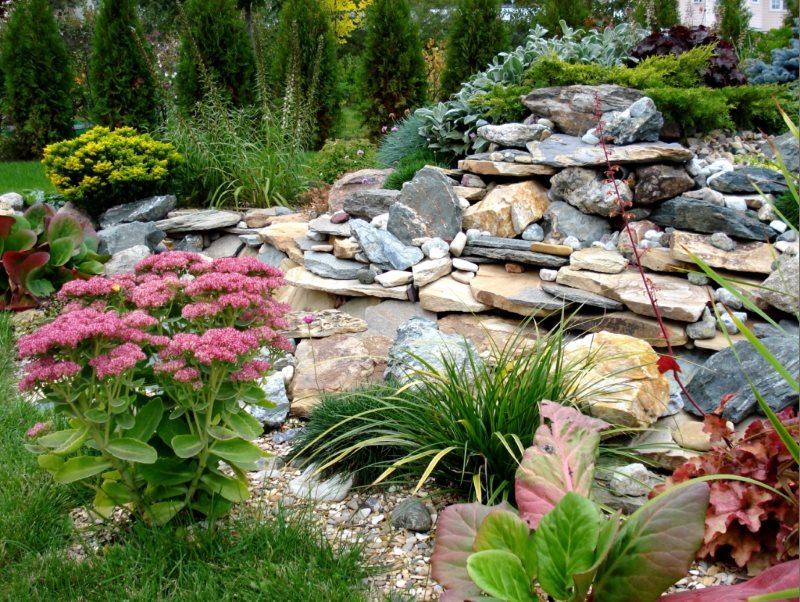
684 213
124 236
515 135
427 208
589 191
328 266
781 288
724 374
146 210
788 148
748 180
368 204
383 248
420 346
660 182
562 220
640 122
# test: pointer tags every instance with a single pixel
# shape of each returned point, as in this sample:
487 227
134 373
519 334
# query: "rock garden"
548 353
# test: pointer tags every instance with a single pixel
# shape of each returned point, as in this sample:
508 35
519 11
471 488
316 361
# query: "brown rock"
281 236
782 286
747 257
622 383
659 182
490 334
659 448
260 218
507 210
345 248
598 260
447 294
551 249
677 299
560 151
469 193
631 324
719 342
637 229
501 168
327 322
661 260
430 270
495 287
364 179
514 268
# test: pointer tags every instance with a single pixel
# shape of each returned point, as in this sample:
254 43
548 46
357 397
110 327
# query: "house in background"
765 14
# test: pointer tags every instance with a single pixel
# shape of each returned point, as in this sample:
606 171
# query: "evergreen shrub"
338 157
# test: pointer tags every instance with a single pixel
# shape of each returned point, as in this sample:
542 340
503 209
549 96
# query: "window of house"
776 4
698 1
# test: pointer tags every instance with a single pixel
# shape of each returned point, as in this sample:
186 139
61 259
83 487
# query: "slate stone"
228 245
500 242
328 266
745 179
536 298
579 296
206 219
124 236
275 390
367 204
271 256
560 151
562 220
788 149
528 257
351 183
412 514
146 210
384 248
513 134
640 122
422 338
723 374
191 242
660 182
589 191
685 213
325 225
124 261
427 208
780 289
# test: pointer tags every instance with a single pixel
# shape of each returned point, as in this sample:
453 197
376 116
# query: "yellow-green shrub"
104 167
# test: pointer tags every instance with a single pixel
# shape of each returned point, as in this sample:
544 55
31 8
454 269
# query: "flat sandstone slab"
302 278
560 151
501 168
627 322
447 294
754 257
496 287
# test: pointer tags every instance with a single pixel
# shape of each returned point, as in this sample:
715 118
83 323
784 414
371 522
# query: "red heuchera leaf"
560 460
776 579
752 525
717 427
666 363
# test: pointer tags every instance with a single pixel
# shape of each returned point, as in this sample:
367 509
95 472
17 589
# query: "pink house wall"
766 14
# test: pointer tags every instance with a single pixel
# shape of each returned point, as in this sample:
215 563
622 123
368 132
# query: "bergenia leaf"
500 574
6 223
656 546
561 460
455 537
37 216
776 579
61 251
20 240
507 531
19 266
65 226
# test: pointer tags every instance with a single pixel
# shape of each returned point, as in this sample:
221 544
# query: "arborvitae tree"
121 79
476 35
656 14
38 78
574 13
392 78
733 20
305 68
214 33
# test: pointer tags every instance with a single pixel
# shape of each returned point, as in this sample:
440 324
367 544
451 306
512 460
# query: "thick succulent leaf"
61 251
81 467
565 543
455 537
245 425
232 490
776 579
65 226
20 266
20 240
500 574
186 446
167 472
37 216
132 450
162 512
148 418
656 546
6 224
92 267
561 460
242 454
507 531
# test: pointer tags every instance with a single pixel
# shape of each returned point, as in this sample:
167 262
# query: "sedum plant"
41 250
151 371
558 539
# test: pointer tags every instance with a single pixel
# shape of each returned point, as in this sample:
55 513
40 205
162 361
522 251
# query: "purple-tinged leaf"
6 223
560 460
455 537
65 226
776 579
655 548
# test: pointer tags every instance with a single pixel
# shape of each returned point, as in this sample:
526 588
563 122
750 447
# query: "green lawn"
19 176
253 557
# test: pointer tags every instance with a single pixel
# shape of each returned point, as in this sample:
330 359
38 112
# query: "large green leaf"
584 579
65 226
186 446
81 467
61 251
64 442
20 240
232 490
506 531
245 425
656 546
132 450
163 512
238 452
565 544
147 419
501 575
90 267
168 471
117 492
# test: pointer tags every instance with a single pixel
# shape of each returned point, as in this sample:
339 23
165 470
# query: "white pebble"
464 265
778 226
548 275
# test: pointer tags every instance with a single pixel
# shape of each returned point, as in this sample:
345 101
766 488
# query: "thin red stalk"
651 296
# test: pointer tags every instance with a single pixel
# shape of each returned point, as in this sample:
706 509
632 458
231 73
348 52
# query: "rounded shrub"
338 157
104 167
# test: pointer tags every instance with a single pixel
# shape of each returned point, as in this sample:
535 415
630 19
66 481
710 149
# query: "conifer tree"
305 68
215 34
392 78
574 13
656 14
38 78
476 35
733 20
122 83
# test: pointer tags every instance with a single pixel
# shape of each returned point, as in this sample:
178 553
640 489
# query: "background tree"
121 80
38 78
215 34
656 14
733 20
305 68
346 16
476 35
392 78
575 13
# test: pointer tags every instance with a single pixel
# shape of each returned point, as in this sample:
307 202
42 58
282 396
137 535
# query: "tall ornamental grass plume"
153 371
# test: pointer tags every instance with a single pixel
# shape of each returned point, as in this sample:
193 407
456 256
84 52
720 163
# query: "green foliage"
408 167
38 78
502 104
656 14
574 14
124 91
21 176
467 433
403 140
40 251
694 110
215 46
787 205
733 20
762 43
103 168
338 157
476 35
392 75
306 69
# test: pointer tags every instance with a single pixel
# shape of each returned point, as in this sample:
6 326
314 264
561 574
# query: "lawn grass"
19 176
251 557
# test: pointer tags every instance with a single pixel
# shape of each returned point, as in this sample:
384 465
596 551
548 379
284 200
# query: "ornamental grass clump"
153 371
